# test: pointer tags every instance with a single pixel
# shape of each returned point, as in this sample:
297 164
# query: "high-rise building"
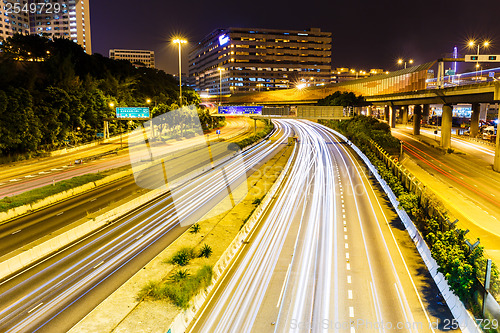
144 58
237 60
12 22
66 19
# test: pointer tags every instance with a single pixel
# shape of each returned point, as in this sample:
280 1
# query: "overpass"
397 91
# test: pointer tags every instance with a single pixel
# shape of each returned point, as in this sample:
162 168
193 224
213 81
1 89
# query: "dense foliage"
256 137
344 99
52 92
360 129
461 267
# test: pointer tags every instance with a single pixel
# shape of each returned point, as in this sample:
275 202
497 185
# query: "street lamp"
471 44
401 61
179 42
220 69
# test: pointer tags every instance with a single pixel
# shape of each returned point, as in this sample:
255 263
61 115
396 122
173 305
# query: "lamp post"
401 61
220 69
179 42
471 44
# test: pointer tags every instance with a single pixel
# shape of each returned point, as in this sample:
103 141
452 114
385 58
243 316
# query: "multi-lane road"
328 252
19 177
464 181
327 256
56 292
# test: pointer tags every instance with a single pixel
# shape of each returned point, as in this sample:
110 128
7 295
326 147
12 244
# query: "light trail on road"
34 297
341 265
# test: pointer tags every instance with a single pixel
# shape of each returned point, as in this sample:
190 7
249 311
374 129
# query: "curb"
464 318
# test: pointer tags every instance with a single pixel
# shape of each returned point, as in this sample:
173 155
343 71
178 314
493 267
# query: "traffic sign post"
218 133
137 112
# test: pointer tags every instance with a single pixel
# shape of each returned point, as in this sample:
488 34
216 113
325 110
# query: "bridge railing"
476 77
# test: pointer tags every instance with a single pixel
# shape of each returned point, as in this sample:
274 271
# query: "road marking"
36 307
343 216
347 255
342 205
64 166
345 222
55 169
345 236
349 294
345 229
119 189
349 279
93 200
341 197
346 245
343 210
43 172
284 284
475 185
99 264
2 184
59 214
15 232
29 176
351 312
348 267
14 180
353 330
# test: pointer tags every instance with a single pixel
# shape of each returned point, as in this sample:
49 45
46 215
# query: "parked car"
489 133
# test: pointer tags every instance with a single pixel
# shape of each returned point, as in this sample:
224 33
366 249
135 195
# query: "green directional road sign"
139 112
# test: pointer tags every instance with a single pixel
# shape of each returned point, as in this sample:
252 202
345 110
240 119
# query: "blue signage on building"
223 40
132 112
238 110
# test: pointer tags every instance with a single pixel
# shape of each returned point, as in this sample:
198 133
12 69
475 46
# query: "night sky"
366 33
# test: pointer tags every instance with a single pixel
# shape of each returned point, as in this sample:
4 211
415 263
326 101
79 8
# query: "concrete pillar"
425 114
446 123
417 117
404 111
496 163
392 116
474 120
386 113
369 111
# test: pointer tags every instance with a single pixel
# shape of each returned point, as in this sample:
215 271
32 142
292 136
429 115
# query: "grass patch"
37 194
180 287
256 137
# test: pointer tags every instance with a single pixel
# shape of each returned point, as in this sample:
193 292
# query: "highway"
327 256
54 294
21 231
464 181
23 176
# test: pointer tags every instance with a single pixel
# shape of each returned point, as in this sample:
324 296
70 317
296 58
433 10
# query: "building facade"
72 21
236 60
11 22
55 19
139 58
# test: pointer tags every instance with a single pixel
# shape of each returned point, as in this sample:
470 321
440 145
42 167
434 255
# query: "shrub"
195 228
182 257
205 251
257 201
179 275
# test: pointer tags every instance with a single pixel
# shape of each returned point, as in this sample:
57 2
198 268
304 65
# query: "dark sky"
366 33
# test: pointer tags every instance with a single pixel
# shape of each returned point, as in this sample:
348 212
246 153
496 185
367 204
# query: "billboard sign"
240 110
139 112
223 39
